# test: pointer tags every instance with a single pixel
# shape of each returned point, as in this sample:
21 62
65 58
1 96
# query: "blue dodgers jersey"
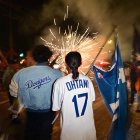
35 86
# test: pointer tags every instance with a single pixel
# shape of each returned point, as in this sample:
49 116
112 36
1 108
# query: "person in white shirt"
72 97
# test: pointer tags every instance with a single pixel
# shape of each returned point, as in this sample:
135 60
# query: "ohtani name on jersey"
74 84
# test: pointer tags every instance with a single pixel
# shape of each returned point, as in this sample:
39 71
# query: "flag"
112 87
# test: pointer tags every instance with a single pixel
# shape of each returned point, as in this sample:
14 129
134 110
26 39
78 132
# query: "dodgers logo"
37 83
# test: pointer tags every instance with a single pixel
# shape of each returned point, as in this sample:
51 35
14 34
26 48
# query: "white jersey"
74 98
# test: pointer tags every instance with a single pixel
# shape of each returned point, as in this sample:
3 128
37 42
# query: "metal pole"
93 62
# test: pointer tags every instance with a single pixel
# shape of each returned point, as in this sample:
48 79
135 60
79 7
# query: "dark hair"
73 60
41 53
12 60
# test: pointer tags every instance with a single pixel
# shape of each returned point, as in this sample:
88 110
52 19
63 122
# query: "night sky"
13 14
29 18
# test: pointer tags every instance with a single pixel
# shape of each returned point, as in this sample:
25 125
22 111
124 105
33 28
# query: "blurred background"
26 23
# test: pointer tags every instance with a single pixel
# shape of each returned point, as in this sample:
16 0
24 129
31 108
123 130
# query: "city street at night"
15 130
104 35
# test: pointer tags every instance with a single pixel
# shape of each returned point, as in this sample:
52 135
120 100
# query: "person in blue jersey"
73 97
33 86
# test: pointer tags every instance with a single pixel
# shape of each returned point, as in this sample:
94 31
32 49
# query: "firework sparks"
63 42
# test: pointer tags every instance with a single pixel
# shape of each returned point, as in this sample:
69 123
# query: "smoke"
98 15
36 19
104 14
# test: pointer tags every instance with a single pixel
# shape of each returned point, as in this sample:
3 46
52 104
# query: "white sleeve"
92 91
13 88
57 96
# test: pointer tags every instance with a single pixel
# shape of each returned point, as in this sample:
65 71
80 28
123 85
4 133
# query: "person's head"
73 60
13 62
41 53
29 61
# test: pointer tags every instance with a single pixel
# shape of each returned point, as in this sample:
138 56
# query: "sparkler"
69 40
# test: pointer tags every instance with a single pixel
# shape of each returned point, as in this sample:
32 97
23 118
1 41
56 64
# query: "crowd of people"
132 75
45 93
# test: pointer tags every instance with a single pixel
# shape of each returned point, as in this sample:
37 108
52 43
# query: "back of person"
11 69
33 86
73 95
7 76
77 112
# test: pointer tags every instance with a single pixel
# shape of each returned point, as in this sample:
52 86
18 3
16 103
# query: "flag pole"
93 62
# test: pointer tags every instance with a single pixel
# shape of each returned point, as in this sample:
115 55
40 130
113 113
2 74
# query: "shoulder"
63 79
22 71
58 71
55 72
84 77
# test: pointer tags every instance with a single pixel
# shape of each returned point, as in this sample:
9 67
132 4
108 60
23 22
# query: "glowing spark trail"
63 42
54 22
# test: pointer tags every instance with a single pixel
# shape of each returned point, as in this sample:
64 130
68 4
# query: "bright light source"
109 42
21 55
22 61
56 66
